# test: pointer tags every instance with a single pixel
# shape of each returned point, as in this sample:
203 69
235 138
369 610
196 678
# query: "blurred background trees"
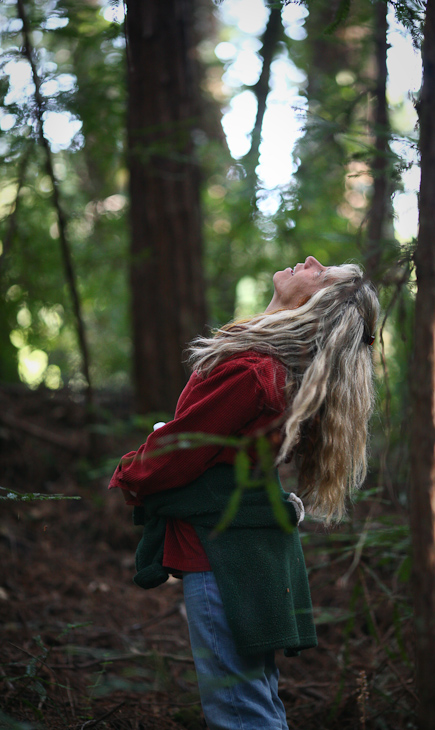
176 160
79 58
270 136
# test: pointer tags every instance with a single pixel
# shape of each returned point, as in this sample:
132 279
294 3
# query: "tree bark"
167 287
423 391
380 209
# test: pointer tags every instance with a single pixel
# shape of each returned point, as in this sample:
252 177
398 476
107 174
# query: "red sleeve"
235 394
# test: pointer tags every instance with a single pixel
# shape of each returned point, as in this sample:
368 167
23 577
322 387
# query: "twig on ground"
32 656
70 697
93 723
342 581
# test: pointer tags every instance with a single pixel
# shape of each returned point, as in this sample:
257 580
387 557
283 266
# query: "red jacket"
242 396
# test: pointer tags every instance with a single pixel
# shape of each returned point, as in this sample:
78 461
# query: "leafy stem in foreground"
13 495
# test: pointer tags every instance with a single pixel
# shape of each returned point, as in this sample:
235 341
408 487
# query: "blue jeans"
237 693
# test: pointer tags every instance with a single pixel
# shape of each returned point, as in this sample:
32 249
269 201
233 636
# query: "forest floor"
83 647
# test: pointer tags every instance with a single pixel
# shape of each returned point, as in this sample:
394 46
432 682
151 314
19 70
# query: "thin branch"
93 723
65 247
343 580
270 39
70 697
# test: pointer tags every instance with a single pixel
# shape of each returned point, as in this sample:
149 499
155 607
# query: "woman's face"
293 287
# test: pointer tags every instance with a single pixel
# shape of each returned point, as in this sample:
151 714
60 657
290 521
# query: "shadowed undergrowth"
83 647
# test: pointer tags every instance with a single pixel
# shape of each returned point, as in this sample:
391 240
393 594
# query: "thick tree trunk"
168 306
380 208
321 174
423 386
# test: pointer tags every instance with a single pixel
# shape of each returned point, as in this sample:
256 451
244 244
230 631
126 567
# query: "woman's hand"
298 505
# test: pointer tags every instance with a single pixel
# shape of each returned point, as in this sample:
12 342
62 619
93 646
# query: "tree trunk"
380 209
167 288
270 39
423 387
320 177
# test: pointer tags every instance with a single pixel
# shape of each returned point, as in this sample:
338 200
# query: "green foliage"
365 564
410 13
234 236
245 480
317 213
80 61
32 686
390 440
80 58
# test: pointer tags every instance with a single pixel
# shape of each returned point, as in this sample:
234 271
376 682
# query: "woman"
300 374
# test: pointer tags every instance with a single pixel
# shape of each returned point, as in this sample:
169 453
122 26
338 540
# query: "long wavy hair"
324 345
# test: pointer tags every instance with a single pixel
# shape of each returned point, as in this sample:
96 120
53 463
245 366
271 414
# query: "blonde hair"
324 346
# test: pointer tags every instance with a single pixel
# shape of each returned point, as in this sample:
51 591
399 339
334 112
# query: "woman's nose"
311 261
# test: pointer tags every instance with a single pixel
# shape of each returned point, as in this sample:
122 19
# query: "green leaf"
242 468
265 454
230 511
280 512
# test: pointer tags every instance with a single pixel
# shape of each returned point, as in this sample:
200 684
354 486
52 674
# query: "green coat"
259 568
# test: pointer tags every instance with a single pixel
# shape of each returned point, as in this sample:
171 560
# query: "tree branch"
269 40
261 89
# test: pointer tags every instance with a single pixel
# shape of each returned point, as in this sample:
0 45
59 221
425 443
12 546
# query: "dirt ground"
83 647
